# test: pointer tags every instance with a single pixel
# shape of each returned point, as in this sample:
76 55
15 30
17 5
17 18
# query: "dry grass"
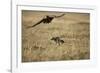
73 28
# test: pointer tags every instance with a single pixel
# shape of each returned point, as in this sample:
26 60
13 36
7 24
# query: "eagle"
46 20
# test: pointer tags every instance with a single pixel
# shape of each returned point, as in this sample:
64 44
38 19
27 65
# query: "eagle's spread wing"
59 16
36 23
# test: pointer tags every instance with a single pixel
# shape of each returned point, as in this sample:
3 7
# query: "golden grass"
73 28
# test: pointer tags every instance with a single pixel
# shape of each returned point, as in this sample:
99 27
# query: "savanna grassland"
73 28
